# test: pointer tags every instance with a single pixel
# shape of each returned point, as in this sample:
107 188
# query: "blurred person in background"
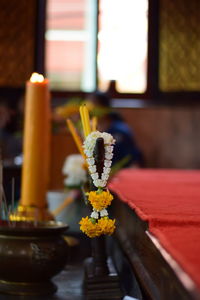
126 149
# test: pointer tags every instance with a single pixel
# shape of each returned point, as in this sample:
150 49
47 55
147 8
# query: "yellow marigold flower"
107 225
100 201
89 228
90 105
66 111
69 109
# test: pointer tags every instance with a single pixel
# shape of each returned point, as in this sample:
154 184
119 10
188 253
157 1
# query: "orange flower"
107 225
101 200
103 226
89 228
66 111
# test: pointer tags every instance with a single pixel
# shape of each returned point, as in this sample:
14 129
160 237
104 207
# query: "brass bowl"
30 255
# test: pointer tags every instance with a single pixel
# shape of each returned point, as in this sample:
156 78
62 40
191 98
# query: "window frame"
152 93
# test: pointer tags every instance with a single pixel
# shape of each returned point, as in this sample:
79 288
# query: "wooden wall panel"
167 136
17 41
179 45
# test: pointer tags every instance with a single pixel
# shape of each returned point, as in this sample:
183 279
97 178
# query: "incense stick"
6 211
64 204
83 120
87 119
13 196
75 136
94 123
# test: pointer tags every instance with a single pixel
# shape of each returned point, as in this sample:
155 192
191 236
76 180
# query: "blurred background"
144 53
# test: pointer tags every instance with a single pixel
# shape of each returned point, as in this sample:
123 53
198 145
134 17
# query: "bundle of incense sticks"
75 136
86 127
4 213
85 120
86 130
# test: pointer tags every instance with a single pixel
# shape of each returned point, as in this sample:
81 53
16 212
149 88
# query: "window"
77 52
71 44
122 44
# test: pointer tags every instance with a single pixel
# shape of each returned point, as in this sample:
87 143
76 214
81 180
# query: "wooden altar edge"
185 279
158 277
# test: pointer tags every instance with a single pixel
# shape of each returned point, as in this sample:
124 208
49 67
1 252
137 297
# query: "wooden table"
159 276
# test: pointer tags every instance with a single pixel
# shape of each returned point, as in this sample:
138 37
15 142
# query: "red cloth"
170 201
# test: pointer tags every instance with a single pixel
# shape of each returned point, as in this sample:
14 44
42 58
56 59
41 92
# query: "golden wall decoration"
179 45
17 41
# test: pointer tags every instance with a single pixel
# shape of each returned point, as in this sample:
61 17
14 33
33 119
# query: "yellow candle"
75 136
36 142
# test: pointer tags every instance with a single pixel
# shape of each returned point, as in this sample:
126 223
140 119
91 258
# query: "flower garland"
99 222
95 229
88 146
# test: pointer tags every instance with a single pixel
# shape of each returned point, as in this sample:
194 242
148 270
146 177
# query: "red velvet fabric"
170 201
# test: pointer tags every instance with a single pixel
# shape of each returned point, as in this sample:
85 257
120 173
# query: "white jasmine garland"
96 182
104 213
94 214
88 153
90 161
92 169
106 170
90 141
88 146
100 182
95 176
108 155
109 149
107 163
104 176
108 139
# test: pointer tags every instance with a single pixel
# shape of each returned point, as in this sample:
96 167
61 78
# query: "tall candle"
36 144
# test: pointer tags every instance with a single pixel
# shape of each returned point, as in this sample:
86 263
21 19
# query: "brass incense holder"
31 213
30 255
